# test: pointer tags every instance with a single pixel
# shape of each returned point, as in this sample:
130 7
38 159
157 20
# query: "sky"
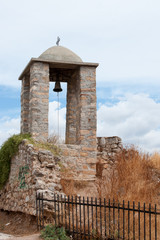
122 36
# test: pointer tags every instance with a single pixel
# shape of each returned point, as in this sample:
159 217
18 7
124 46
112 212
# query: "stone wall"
71 169
107 148
32 170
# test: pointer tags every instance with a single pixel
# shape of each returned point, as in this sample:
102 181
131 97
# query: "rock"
27 199
50 165
51 186
37 173
40 184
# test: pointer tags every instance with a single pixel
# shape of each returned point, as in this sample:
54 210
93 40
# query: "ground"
20 225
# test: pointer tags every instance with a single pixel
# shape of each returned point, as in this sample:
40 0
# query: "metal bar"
65 212
92 216
58 208
42 212
39 213
139 222
126 208
128 221
133 221
100 205
55 209
84 219
113 217
118 221
80 216
144 208
123 220
76 217
149 221
61 211
69 213
96 216
72 217
105 217
155 221
88 217
109 220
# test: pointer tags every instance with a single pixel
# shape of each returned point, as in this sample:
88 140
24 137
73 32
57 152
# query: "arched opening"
57 113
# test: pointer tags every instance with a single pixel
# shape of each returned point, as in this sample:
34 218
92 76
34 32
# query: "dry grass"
133 176
155 159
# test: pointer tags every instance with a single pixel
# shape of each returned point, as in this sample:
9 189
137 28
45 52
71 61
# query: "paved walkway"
10 237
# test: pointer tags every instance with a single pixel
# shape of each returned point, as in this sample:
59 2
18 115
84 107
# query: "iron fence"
92 218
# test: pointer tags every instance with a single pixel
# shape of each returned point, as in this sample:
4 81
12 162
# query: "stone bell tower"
81 95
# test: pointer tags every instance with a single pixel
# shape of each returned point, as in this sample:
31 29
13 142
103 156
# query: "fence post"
155 222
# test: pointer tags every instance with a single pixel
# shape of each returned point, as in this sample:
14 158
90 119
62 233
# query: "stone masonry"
70 170
25 121
32 171
107 148
81 108
39 100
35 101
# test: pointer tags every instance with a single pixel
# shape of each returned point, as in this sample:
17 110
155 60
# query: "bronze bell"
57 87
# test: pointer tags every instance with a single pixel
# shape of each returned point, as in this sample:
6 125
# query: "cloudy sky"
122 36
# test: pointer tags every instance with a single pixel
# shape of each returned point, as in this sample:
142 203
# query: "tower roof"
59 53
58 57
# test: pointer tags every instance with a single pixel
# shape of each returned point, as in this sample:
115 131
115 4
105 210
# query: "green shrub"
51 232
7 151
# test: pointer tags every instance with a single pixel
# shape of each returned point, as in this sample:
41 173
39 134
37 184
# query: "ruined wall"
31 170
36 170
107 148
71 170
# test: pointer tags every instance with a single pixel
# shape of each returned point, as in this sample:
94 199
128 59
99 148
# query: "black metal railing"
88 218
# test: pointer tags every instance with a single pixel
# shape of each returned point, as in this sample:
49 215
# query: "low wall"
31 171
72 171
36 170
107 148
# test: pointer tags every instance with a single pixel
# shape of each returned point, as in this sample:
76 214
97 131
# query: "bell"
57 87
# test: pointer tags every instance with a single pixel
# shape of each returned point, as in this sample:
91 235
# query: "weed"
132 176
51 232
45 145
7 151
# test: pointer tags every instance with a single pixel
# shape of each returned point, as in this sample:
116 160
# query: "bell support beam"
25 94
87 107
39 100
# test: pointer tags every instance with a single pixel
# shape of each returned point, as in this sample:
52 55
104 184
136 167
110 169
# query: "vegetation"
132 176
7 151
45 145
10 148
51 232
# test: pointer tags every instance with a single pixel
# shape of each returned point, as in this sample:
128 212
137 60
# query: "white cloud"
135 119
8 127
122 35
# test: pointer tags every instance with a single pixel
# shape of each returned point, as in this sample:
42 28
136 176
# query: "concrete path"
10 237
5 236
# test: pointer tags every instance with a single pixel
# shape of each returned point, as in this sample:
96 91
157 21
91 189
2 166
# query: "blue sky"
122 36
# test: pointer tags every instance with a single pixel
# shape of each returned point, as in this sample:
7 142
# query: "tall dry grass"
155 160
132 176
